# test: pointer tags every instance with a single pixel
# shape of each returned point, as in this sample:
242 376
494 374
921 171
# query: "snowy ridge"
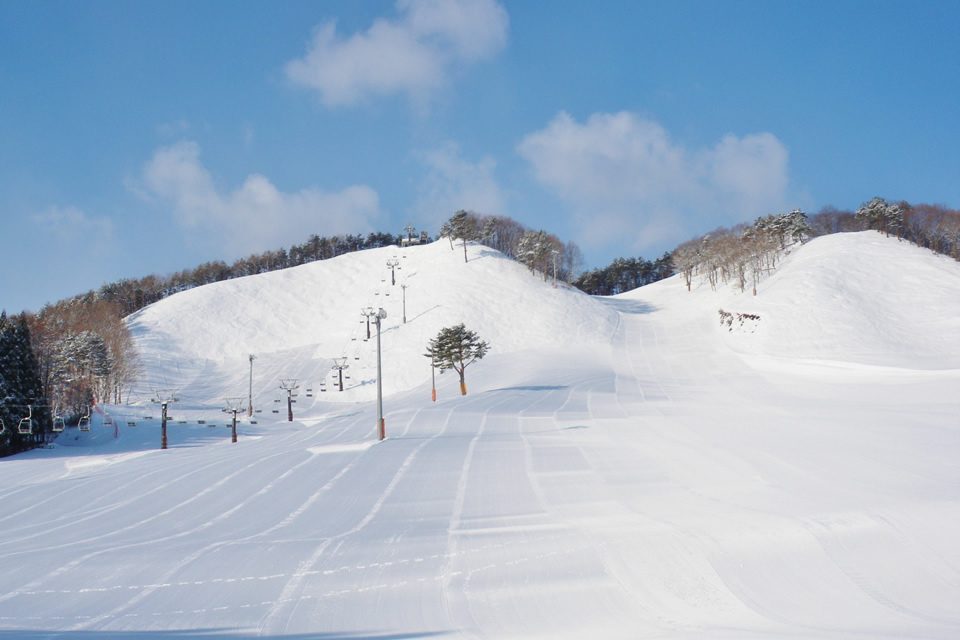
621 468
297 320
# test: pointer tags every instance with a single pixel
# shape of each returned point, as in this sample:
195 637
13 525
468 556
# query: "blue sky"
149 137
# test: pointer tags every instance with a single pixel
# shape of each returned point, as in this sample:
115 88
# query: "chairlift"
131 423
3 427
84 423
107 421
26 424
58 424
201 422
213 425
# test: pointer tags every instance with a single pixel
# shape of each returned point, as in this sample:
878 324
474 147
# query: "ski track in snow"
621 468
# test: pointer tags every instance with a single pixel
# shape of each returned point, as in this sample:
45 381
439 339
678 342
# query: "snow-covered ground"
621 468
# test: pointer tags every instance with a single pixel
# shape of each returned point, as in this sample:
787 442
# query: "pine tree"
456 348
20 386
463 226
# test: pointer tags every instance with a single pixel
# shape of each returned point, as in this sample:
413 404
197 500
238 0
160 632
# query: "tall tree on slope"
456 348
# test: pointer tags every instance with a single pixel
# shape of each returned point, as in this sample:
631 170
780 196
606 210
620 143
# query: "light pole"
164 397
381 427
234 406
404 287
340 364
288 385
250 396
433 379
409 229
392 263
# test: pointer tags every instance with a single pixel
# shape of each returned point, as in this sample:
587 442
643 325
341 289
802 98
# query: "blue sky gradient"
148 137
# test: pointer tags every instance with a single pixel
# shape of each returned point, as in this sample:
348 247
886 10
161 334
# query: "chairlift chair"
26 424
84 423
3 428
58 424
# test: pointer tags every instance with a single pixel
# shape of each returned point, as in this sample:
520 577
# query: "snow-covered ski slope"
621 468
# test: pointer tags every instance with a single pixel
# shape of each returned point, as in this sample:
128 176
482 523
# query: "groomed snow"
621 468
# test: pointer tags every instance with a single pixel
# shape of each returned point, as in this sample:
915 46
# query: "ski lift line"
26 424
84 423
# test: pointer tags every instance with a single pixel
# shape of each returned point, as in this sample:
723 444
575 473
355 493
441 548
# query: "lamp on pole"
393 263
404 287
409 229
164 397
250 396
288 385
234 406
381 427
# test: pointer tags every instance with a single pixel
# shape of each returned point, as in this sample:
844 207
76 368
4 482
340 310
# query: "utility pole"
381 427
288 385
340 364
164 397
393 263
250 396
234 406
404 287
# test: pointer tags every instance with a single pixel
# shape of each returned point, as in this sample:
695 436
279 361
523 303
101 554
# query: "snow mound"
854 298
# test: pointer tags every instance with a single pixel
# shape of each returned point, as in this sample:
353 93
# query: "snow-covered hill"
296 321
621 468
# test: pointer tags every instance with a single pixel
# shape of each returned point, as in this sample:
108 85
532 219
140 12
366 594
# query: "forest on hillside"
61 361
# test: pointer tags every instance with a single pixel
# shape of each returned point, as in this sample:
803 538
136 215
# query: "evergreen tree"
20 387
456 348
464 226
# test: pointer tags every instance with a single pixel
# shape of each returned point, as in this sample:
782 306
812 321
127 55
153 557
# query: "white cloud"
453 183
256 216
69 224
411 54
625 177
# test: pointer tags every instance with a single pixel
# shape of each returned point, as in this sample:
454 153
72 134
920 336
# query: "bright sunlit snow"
621 468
